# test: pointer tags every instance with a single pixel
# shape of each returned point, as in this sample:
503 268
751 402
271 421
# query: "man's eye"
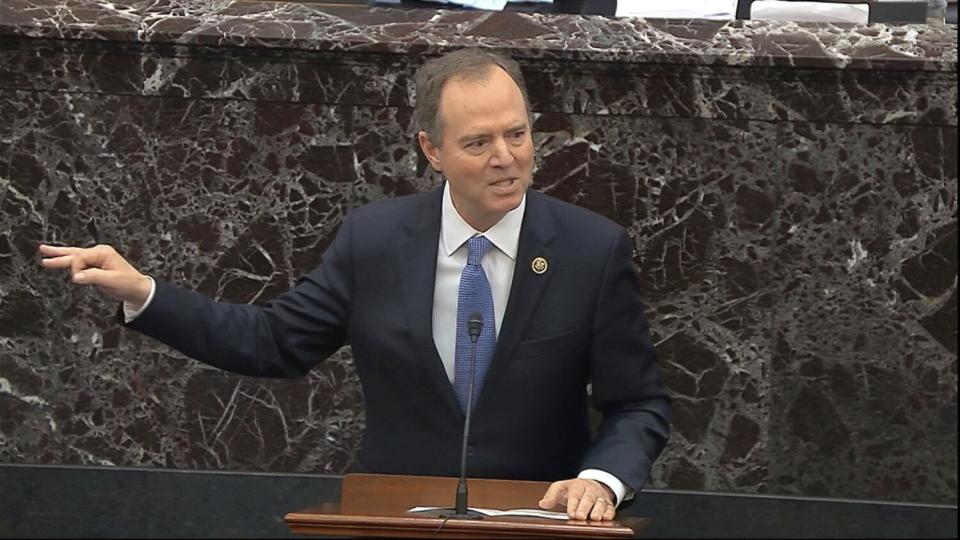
517 137
476 144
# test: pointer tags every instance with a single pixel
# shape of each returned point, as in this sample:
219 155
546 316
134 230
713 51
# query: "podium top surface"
376 506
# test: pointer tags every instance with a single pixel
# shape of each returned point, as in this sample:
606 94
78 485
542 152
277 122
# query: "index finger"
574 494
554 494
57 251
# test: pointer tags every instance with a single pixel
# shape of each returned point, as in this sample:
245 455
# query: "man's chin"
509 203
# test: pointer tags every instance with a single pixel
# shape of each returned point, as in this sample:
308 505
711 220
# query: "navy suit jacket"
579 322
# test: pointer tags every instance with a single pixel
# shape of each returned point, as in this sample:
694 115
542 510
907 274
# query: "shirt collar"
454 231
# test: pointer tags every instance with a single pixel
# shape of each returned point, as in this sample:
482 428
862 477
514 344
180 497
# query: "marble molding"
791 190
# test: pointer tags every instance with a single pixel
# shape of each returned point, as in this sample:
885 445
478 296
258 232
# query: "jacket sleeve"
284 338
626 382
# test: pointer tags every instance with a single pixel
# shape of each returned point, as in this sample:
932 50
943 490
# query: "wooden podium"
374 505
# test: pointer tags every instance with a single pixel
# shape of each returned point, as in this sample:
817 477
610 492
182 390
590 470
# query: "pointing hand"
101 266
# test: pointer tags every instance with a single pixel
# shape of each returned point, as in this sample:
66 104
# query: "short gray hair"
472 64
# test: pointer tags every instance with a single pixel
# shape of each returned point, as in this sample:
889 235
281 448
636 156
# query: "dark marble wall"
791 189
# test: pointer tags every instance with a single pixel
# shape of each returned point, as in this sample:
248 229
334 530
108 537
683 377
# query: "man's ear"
429 150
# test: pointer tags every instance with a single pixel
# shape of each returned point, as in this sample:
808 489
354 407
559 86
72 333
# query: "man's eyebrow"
481 134
473 136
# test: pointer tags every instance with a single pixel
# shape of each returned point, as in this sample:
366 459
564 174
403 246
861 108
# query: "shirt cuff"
620 491
129 314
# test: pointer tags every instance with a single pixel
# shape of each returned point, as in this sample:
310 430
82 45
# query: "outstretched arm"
284 338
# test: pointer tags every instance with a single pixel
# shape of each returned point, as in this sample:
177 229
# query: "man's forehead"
459 94
473 101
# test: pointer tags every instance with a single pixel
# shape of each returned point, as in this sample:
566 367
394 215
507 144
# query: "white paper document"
678 9
489 5
516 512
769 10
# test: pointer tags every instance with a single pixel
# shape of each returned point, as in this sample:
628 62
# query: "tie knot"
477 247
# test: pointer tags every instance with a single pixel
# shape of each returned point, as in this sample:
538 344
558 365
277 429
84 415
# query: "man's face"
487 149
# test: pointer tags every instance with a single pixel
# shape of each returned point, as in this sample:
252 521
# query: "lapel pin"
539 265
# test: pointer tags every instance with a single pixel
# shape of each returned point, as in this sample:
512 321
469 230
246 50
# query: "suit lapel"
417 260
536 234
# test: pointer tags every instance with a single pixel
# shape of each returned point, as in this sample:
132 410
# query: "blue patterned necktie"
474 296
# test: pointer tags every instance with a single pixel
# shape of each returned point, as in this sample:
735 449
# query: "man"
552 284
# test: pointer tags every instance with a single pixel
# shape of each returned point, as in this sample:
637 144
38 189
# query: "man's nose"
500 155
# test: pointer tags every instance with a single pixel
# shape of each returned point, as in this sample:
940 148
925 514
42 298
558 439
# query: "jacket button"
470 450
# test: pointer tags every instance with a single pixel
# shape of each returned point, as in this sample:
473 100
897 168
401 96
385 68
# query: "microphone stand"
460 510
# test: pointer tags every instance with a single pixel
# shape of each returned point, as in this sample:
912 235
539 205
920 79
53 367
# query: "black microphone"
475 328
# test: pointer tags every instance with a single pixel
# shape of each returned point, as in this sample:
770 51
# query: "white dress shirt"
498 264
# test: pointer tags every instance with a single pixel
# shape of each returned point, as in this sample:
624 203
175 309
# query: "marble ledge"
361 29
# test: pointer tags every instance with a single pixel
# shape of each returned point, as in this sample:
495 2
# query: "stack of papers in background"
767 10
678 9
492 5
